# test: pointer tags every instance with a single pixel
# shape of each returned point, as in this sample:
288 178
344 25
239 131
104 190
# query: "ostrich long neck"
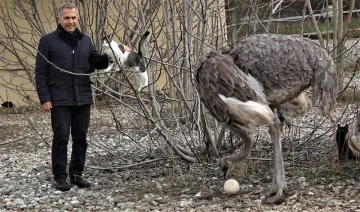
236 158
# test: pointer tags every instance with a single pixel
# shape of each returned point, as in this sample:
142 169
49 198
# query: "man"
67 96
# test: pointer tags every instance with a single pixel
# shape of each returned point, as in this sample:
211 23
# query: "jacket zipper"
74 78
73 58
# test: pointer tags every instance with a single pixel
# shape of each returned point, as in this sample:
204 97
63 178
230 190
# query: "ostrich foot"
275 195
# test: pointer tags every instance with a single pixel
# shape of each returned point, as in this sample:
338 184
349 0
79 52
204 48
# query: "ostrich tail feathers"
248 115
325 85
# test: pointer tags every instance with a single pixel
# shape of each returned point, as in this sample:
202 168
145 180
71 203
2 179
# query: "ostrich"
250 85
353 138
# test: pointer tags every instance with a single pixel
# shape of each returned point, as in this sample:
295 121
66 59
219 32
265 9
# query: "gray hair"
66 5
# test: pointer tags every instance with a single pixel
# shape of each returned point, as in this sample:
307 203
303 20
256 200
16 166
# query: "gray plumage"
286 66
353 137
245 86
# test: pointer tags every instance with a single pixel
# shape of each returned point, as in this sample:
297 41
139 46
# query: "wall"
19 38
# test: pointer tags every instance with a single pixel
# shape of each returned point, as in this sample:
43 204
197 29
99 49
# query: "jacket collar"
70 38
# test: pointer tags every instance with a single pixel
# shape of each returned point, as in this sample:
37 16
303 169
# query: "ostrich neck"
238 157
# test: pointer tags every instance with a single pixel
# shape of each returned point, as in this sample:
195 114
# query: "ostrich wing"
232 97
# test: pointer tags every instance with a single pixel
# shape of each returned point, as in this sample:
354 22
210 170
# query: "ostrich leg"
275 195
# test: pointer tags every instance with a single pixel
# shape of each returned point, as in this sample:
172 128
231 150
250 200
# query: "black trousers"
66 119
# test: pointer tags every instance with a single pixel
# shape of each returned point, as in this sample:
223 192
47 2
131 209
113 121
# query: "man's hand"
47 106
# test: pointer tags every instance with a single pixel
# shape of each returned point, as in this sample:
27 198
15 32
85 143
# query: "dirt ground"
137 181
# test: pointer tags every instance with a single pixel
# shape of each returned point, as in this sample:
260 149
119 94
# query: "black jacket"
79 56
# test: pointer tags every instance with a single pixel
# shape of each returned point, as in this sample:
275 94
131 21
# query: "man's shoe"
62 185
79 181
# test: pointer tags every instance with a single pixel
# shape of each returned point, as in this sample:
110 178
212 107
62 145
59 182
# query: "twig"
11 142
316 26
261 159
37 132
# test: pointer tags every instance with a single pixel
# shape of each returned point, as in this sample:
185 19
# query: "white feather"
250 113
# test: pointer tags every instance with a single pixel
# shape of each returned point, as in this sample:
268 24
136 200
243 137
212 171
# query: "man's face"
69 19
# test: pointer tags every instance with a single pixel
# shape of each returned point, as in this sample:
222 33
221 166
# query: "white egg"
231 187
